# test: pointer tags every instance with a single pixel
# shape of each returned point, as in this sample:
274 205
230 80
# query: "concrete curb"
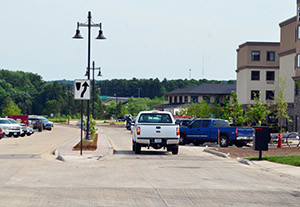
111 150
59 157
245 162
220 154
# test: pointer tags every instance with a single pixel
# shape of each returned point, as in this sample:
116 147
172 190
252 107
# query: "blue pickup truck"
215 130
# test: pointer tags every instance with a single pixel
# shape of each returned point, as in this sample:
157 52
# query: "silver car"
10 129
23 127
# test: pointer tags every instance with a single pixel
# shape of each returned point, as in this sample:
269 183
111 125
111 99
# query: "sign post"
82 92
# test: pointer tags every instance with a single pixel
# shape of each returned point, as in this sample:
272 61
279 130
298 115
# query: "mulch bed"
87 145
249 152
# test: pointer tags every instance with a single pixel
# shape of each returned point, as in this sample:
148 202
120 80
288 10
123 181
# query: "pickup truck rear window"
155 118
218 123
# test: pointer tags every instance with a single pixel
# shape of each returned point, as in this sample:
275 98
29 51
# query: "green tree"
280 101
52 107
10 108
202 110
258 111
226 110
237 112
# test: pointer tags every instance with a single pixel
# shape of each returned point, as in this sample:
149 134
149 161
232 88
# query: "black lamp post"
93 89
89 25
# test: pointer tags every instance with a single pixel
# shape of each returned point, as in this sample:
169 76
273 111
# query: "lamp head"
77 35
100 35
99 74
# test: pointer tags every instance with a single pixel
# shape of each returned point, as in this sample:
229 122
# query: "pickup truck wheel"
182 140
224 141
137 148
175 150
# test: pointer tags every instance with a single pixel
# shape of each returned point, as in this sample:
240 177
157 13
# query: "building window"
254 94
185 99
299 14
298 32
170 99
298 61
180 99
206 98
255 75
269 95
217 99
296 89
255 56
270 75
194 99
270 56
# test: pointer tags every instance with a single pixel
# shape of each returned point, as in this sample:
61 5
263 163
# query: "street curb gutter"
111 150
221 154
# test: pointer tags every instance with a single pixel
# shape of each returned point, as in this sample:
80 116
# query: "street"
31 176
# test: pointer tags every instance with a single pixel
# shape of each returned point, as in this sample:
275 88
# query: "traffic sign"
82 90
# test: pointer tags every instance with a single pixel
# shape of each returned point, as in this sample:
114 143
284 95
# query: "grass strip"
285 159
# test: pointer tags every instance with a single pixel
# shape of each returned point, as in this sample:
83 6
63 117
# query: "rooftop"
206 88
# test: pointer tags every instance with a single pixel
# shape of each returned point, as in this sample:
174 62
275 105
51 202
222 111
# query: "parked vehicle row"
15 125
11 127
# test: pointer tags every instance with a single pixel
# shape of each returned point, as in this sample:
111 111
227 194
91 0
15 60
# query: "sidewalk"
277 168
65 152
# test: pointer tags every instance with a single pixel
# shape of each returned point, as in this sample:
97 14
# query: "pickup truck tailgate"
158 131
248 132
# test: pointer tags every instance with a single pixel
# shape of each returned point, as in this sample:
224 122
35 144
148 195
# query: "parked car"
215 130
1 132
46 124
10 129
30 131
23 131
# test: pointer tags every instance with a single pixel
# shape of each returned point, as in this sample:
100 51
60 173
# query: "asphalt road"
30 176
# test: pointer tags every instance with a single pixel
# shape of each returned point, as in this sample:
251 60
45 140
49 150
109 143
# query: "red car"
1 133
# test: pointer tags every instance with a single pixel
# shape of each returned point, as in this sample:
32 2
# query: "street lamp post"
89 25
93 82
99 74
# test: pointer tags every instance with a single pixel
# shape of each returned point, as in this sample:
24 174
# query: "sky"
172 39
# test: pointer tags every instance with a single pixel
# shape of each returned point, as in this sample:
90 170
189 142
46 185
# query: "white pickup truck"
155 129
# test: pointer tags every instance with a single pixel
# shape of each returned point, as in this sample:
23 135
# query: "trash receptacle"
261 139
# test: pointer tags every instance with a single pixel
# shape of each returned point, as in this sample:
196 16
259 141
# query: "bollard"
279 144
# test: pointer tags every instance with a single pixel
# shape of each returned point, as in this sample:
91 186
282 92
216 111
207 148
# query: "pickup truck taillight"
138 131
236 131
177 131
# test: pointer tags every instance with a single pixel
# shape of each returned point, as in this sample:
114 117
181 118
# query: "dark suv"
37 121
